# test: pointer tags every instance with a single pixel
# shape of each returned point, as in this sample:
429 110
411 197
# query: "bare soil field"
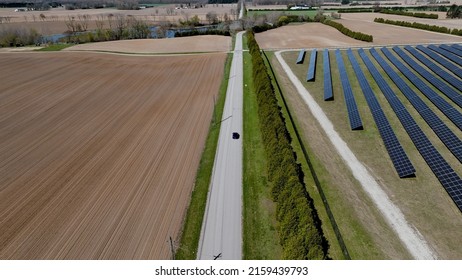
364 22
98 152
206 43
317 35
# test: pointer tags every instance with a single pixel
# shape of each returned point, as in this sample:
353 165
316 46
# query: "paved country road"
221 236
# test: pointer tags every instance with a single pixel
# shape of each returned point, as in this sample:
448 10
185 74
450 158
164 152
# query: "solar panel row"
446 135
435 68
446 63
312 66
397 154
328 92
456 46
301 57
446 54
353 113
430 77
447 109
442 170
451 49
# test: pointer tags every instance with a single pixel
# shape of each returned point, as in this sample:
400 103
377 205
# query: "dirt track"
98 152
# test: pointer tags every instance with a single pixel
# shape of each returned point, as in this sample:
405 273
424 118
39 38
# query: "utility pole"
171 248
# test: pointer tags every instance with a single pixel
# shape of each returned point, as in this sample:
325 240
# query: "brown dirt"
317 35
98 152
206 43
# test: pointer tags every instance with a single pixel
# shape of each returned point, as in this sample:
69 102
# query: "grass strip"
190 234
54 47
260 236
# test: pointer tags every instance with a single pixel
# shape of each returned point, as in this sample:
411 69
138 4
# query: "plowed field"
98 152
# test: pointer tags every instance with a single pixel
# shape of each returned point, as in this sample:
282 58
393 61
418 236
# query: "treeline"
409 14
18 37
434 28
348 32
281 21
355 10
199 32
299 227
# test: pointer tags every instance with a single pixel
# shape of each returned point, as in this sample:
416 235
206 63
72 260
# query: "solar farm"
399 108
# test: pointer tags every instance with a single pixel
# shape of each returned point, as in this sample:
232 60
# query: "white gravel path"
409 235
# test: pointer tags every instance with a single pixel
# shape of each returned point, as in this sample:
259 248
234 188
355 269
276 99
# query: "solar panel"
301 57
447 109
446 63
398 156
451 182
456 46
350 102
452 142
451 49
328 92
430 77
435 68
446 54
312 66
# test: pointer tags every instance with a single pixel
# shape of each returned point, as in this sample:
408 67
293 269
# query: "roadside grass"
421 199
189 242
54 47
260 236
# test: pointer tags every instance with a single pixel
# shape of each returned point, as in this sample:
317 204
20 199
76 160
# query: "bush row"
434 28
410 14
348 32
299 227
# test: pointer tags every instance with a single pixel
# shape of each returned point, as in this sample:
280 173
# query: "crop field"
99 152
423 200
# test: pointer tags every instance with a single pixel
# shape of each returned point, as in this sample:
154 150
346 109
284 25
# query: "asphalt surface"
221 235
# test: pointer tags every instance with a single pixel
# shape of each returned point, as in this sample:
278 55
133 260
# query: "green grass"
55 47
260 236
189 243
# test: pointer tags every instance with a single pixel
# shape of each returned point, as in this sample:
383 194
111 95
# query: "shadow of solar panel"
312 66
353 113
446 135
451 182
430 77
400 160
441 60
446 54
301 57
446 108
451 49
328 92
435 68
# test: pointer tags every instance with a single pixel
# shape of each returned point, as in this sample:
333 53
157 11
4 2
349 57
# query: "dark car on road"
235 135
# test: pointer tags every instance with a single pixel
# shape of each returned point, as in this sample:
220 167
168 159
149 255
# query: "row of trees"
409 14
348 32
299 226
434 28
